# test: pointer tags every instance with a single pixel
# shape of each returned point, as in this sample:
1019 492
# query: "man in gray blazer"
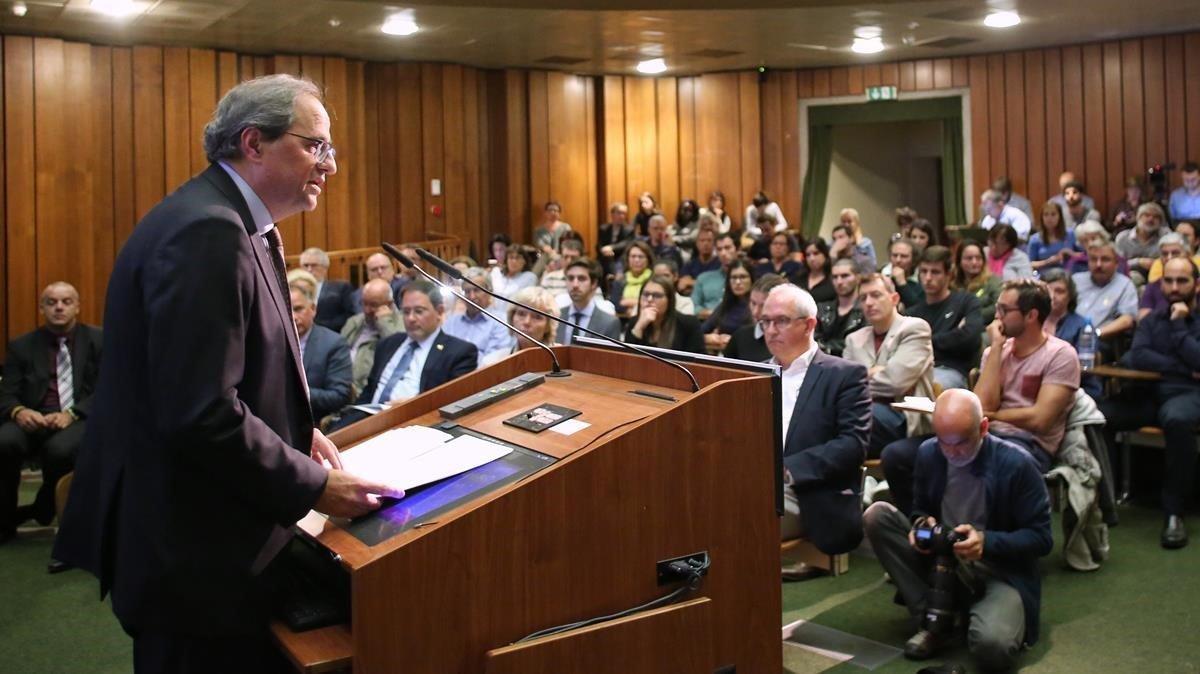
898 353
583 277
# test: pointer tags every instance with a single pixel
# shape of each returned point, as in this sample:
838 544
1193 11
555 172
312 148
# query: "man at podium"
196 461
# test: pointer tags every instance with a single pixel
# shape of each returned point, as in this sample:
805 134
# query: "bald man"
45 396
991 493
378 319
380 266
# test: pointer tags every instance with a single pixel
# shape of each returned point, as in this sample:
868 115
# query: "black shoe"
7 535
800 572
923 645
22 515
1174 536
30 512
56 566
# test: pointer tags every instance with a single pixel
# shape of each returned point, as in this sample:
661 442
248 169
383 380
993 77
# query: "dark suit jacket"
743 345
824 450
449 359
327 366
335 306
600 321
27 370
195 461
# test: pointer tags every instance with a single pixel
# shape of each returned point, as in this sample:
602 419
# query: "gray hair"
801 300
265 103
1151 207
1100 244
1172 239
1090 228
322 256
480 276
657 216
991 196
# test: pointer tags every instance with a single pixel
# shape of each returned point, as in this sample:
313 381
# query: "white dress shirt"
793 379
410 385
258 210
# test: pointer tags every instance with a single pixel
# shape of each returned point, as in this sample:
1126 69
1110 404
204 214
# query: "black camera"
939 540
1156 177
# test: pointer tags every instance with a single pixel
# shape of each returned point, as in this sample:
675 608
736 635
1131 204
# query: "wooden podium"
648 480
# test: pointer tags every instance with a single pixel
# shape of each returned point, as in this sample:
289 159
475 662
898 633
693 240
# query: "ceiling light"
652 66
20 9
1002 20
116 8
872 45
400 24
335 22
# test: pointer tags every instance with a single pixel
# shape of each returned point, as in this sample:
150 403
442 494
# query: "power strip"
484 398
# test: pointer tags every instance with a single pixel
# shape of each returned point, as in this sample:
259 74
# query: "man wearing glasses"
196 460
826 417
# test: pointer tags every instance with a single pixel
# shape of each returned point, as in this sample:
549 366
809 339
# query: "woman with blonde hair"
535 325
863 251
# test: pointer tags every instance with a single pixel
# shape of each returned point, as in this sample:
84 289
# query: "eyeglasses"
322 149
1002 310
780 322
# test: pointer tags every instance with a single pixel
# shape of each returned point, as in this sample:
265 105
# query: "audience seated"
1086 234
1003 187
471 325
45 398
1066 178
953 317
1186 231
554 278
683 231
904 220
857 246
1124 213
817 266
498 249
716 208
972 275
826 414
325 356
780 261
704 257
627 288
1077 206
761 204
1139 245
667 269
996 212
922 234
381 266
514 274
898 353
614 236
842 316
546 236
1170 246
379 319
710 285
531 323
656 323
748 343
583 280
757 247
734 310
1005 260
1167 341
901 268
1051 243
1062 321
1106 297
335 299
660 241
421 358
1185 199
987 491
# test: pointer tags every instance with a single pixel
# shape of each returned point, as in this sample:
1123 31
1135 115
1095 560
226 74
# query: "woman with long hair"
816 281
780 257
639 261
922 234
716 208
657 323
971 275
734 310
1051 242
535 325
687 224
647 207
514 274
863 250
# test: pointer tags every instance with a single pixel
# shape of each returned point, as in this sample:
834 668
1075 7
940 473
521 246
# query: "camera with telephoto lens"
939 540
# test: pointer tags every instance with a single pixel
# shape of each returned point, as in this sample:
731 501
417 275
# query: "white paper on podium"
415 455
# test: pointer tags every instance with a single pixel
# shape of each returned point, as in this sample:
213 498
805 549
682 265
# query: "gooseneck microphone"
454 273
403 259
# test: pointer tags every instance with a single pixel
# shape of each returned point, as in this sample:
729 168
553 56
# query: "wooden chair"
60 493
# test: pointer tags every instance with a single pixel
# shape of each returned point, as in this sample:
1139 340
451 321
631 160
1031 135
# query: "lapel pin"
440 347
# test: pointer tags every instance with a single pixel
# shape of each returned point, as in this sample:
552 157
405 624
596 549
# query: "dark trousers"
898 460
57 450
887 426
161 653
1175 408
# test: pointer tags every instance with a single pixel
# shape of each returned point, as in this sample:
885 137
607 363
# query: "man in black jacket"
952 316
45 398
842 316
335 299
747 342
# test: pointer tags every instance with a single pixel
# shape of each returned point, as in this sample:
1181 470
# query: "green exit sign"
886 93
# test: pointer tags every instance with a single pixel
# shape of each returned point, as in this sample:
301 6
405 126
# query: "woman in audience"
535 325
1124 213
1005 259
1063 322
817 262
734 310
638 261
656 322
498 247
971 275
905 216
922 234
780 262
761 204
1086 232
687 224
716 208
304 280
550 232
514 274
647 207
863 249
1052 243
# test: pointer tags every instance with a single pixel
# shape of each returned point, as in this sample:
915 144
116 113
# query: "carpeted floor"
1137 614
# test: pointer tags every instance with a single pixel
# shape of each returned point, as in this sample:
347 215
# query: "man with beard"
1075 208
379 319
1139 245
1106 296
1167 341
842 316
583 278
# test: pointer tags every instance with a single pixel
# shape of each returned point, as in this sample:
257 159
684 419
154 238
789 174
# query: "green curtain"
822 119
816 179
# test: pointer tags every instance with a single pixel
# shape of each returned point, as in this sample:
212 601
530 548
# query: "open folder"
416 455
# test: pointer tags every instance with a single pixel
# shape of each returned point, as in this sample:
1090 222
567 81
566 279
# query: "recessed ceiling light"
1002 20
872 45
116 8
19 9
400 24
335 22
652 66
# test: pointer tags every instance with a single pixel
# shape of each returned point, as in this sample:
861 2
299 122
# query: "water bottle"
1087 346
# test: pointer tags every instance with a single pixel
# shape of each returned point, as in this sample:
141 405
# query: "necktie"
399 372
66 386
577 319
275 243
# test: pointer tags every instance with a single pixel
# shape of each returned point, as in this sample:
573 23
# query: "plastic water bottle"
1087 346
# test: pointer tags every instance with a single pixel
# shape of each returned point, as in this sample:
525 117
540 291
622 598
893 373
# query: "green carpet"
1136 614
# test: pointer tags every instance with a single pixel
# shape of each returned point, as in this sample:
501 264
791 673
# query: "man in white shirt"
471 325
996 211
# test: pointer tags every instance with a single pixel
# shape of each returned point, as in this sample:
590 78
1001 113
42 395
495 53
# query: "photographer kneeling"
981 520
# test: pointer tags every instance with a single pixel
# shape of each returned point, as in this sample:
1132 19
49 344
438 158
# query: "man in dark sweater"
952 316
842 316
748 343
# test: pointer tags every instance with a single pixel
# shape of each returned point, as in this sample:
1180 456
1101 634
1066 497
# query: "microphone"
403 259
454 273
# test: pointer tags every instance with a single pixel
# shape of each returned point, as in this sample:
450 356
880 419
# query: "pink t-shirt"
1054 363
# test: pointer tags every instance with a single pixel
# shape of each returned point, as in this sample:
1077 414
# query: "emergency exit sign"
886 93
